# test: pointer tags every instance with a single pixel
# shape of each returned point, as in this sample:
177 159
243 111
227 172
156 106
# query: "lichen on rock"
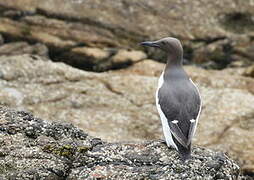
62 151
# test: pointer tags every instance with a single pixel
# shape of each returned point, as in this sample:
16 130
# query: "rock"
219 52
228 78
32 148
122 102
97 59
1 40
46 91
237 64
147 67
86 57
124 56
17 48
249 71
219 33
224 96
94 53
235 71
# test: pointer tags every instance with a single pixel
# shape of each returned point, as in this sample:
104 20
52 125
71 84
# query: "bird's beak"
150 43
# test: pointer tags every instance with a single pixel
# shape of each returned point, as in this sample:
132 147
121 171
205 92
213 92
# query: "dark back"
179 98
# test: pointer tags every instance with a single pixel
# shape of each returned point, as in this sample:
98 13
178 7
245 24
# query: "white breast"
165 125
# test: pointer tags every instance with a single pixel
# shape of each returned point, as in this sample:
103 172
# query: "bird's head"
169 44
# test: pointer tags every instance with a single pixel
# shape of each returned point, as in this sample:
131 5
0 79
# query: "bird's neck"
174 59
174 69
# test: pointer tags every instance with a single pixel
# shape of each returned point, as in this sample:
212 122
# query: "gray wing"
180 101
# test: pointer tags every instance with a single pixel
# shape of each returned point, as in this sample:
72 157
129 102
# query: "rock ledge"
32 148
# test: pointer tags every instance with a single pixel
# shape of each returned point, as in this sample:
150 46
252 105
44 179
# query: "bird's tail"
185 153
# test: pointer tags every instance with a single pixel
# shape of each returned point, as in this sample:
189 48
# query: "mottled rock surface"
215 33
89 100
120 105
32 148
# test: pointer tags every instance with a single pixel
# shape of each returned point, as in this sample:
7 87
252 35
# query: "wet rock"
72 155
19 48
122 102
220 33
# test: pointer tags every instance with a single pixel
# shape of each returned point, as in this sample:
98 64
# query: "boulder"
124 56
89 58
221 32
92 53
98 59
120 105
32 148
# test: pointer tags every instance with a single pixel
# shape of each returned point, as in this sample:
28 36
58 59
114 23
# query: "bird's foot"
162 141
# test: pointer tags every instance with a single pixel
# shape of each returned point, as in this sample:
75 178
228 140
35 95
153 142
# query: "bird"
178 100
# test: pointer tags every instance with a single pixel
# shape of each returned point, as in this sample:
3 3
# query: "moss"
65 150
178 170
83 149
